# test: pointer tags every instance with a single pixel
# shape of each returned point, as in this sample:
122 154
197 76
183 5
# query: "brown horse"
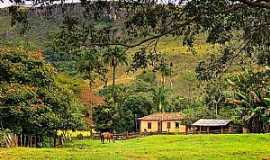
106 135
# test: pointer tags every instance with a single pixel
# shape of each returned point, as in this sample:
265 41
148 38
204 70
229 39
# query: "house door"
159 126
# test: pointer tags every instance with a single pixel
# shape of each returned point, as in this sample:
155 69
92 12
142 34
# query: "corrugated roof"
212 122
172 116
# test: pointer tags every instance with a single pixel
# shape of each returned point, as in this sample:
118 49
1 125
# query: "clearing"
162 147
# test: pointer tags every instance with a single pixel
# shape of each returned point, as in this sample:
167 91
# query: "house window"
168 125
177 124
149 125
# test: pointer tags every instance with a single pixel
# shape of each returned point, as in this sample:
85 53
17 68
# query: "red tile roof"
171 116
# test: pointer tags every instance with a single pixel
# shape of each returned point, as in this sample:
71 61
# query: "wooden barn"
162 122
212 126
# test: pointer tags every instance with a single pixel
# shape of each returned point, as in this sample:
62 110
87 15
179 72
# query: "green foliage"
214 96
147 76
225 22
3 134
241 97
91 65
115 56
62 61
250 92
19 17
160 98
123 116
121 111
30 100
67 39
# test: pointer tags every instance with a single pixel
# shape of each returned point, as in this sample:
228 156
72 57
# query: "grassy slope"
184 63
184 80
4 24
175 147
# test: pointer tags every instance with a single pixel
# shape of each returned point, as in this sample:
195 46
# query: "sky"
4 4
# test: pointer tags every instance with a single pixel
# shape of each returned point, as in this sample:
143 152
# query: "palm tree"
115 56
88 65
166 71
160 96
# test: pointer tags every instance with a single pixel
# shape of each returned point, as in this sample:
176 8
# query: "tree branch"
258 3
145 40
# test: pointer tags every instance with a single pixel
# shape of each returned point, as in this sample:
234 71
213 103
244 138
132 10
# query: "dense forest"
114 62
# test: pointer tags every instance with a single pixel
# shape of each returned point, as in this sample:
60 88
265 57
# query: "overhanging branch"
174 29
258 3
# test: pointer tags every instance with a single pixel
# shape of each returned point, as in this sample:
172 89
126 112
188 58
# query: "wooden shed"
212 126
163 122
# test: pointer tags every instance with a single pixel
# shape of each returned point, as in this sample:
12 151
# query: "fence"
218 131
130 135
23 140
120 136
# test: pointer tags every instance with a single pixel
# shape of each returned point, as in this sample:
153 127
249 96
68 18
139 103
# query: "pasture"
162 147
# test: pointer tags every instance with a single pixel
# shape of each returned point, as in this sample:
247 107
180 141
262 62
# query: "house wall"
154 127
144 125
173 128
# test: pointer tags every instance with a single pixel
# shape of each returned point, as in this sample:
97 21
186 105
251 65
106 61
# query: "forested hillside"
205 59
183 58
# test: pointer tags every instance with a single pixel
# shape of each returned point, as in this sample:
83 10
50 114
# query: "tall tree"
91 65
30 100
115 56
166 71
160 98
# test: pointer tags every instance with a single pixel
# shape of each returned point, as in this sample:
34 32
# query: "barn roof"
212 122
169 116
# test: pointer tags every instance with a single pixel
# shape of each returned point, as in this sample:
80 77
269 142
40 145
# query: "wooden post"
30 141
54 141
16 140
221 129
34 141
208 129
230 129
200 129
25 140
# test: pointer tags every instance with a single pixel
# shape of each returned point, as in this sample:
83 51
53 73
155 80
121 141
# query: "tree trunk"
171 83
163 80
91 119
216 110
160 106
113 84
54 139
30 141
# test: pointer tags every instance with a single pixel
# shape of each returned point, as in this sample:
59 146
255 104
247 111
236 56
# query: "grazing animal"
106 135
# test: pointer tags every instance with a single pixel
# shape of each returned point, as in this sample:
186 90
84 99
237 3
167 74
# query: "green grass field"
163 147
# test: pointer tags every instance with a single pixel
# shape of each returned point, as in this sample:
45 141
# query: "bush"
3 134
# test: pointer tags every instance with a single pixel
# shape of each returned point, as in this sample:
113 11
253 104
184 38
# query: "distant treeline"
109 10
